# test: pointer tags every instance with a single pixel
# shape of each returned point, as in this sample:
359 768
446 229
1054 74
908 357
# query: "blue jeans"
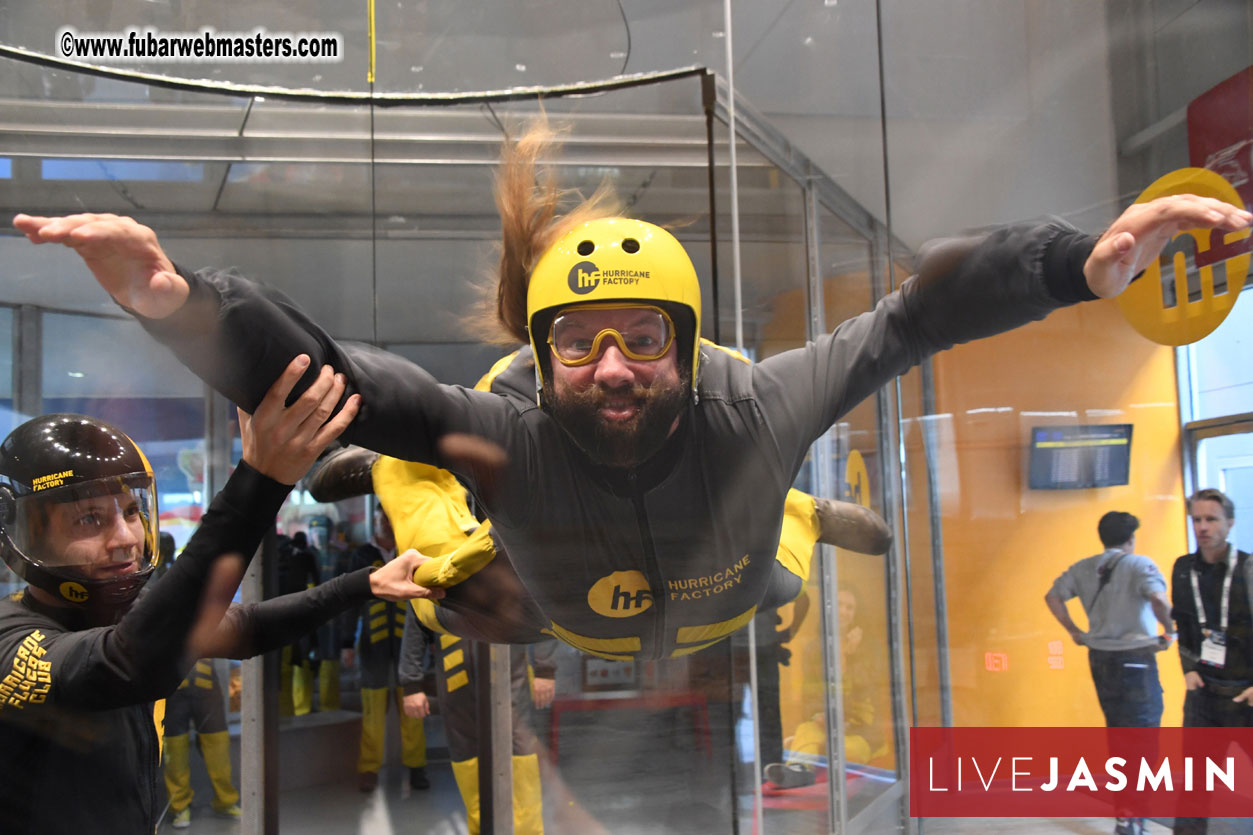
1127 687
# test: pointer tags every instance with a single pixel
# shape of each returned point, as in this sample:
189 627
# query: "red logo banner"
1081 772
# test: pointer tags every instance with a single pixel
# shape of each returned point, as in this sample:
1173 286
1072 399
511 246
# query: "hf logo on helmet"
620 595
585 277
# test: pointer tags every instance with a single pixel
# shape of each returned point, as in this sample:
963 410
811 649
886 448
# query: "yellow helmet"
614 259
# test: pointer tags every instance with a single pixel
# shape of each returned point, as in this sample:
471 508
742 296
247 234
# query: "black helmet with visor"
78 511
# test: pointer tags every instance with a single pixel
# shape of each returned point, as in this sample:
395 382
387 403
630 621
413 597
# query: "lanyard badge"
1214 648
1214 643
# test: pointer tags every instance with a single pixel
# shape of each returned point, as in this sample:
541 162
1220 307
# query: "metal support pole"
28 360
258 749
495 715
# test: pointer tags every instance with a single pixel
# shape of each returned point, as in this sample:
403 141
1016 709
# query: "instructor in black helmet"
82 672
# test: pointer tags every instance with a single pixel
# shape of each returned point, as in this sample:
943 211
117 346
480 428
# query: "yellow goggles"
642 332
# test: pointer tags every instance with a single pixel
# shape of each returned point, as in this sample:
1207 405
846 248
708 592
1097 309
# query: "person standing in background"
1122 593
380 630
1210 591
297 572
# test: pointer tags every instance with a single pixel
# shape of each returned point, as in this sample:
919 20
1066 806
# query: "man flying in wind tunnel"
646 469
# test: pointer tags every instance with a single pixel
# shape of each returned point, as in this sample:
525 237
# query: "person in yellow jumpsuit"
198 703
377 658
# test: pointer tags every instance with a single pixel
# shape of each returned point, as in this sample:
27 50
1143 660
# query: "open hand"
1138 236
122 254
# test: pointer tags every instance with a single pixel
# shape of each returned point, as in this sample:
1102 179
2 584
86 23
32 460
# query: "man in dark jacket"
1210 592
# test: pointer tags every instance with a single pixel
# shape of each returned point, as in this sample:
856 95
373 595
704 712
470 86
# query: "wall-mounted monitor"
1079 457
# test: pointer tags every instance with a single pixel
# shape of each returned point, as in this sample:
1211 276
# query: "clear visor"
641 332
97 530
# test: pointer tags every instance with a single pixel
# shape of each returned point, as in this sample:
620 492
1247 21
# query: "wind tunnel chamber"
377 218
362 188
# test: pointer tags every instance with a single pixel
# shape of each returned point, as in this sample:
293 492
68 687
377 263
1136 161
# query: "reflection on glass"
1225 462
109 369
1221 379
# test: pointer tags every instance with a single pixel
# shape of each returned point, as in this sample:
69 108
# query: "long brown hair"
529 201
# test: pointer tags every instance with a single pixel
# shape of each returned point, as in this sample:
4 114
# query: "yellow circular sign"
620 595
857 479
73 592
1176 314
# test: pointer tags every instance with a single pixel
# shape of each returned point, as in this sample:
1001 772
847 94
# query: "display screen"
1078 457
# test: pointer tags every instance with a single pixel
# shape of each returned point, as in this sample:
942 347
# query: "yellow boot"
301 688
466 773
528 806
177 769
373 726
328 685
285 704
216 750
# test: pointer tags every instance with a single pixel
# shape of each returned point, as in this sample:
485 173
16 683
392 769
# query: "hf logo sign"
1194 284
620 595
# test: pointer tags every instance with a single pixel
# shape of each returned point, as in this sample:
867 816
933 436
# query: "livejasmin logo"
1081 772
1022 774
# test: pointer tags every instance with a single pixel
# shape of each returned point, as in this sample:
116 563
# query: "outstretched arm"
966 289
260 627
237 336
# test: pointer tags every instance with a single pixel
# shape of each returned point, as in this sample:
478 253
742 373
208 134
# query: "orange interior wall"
1004 544
1012 664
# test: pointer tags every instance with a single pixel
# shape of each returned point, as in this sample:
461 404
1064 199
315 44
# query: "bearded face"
619 427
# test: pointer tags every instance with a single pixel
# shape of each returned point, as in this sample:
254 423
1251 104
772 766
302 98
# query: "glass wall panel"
774 303
1073 111
1016 112
110 369
1219 378
928 480
864 617
1225 462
